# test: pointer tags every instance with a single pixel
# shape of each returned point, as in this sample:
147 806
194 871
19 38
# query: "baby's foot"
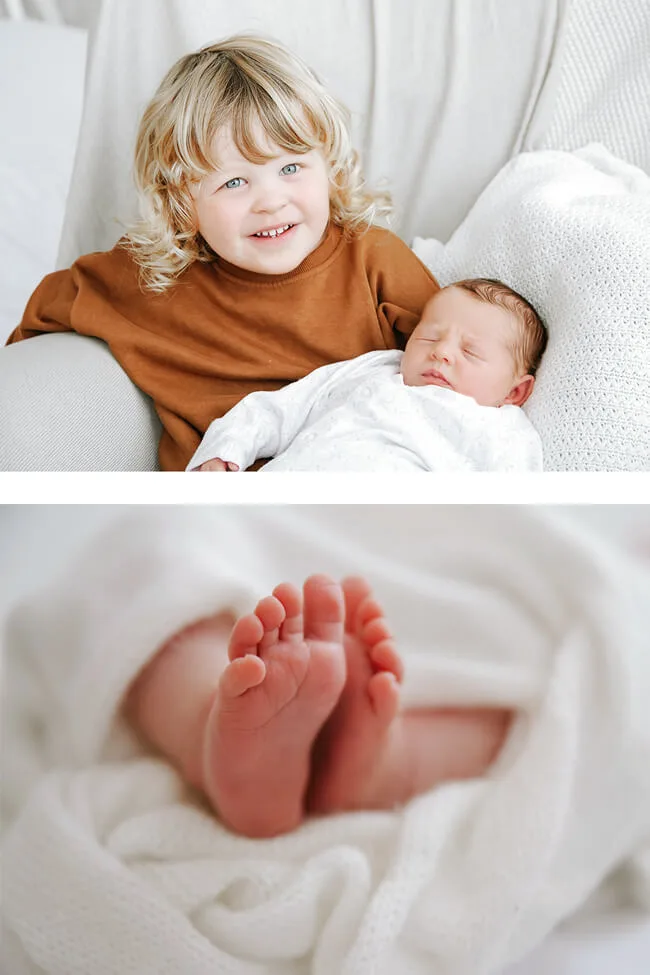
352 756
286 672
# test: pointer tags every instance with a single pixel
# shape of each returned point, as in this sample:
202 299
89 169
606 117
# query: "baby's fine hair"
247 83
532 336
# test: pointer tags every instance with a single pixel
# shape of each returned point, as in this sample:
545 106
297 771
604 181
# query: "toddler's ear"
520 393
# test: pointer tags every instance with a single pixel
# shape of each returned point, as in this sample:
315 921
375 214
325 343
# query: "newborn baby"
450 402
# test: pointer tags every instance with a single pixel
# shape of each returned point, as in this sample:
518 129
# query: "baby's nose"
443 349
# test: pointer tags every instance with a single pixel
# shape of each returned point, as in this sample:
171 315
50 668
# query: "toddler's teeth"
273 233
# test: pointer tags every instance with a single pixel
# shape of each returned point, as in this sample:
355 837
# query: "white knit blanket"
599 81
110 865
571 232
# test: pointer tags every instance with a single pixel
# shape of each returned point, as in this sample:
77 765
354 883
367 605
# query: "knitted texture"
571 232
603 80
111 865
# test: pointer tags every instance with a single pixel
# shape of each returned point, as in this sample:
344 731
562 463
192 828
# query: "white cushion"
571 232
67 405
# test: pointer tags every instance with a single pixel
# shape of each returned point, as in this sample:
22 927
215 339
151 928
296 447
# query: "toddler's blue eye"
233 183
290 169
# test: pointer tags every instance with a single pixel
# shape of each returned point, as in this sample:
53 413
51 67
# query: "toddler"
295 709
449 402
256 260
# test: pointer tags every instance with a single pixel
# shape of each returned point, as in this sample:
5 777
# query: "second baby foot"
353 764
285 674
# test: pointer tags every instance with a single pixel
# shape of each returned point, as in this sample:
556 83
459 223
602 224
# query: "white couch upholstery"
442 96
79 411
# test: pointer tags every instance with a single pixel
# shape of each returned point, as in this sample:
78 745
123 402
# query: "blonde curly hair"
247 83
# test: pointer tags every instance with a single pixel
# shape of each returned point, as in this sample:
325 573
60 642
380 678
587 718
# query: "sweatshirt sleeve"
92 297
50 307
263 424
401 282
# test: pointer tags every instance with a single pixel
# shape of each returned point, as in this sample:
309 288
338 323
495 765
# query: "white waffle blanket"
571 232
110 865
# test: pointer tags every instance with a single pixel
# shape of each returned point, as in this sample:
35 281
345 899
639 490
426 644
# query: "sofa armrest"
66 405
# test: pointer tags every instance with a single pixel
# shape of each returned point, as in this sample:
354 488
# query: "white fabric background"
79 13
441 93
41 92
37 541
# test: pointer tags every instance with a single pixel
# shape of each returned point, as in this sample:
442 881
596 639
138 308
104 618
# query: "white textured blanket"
571 232
110 865
599 82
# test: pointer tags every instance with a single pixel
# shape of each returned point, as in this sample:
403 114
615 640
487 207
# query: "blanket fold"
111 863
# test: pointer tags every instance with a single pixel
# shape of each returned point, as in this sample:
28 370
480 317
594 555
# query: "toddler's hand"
217 465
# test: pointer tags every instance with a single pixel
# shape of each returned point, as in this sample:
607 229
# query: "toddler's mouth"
274 231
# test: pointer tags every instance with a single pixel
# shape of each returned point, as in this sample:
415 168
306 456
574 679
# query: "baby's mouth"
433 376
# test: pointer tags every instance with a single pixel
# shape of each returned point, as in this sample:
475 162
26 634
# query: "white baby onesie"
358 415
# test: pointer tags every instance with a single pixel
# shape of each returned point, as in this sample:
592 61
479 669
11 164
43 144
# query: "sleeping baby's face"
465 344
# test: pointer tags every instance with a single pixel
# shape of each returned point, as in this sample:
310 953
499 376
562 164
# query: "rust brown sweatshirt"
221 332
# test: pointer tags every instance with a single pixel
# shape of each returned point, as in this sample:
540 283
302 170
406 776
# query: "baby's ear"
520 393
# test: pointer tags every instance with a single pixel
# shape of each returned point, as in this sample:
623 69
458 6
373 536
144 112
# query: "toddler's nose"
270 206
270 200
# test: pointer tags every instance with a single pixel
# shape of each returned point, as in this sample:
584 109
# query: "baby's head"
480 338
244 154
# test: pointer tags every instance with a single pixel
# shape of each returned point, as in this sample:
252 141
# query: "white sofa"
443 95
